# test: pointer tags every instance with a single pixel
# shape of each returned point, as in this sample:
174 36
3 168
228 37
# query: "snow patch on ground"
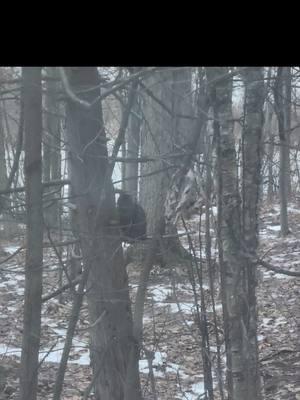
11 249
160 293
50 355
197 389
276 228
9 351
161 367
293 210
187 308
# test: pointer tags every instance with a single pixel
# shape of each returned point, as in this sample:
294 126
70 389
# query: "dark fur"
132 218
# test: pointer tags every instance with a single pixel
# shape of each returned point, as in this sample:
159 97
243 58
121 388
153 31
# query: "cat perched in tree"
132 218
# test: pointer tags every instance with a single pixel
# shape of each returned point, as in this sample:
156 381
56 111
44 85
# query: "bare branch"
278 270
57 182
62 289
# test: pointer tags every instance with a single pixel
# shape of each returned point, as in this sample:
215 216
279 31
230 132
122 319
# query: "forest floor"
170 327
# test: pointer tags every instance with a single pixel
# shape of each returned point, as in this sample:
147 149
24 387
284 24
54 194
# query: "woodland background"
207 306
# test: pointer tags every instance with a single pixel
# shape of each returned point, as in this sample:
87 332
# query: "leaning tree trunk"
168 133
252 135
107 289
34 236
188 141
234 264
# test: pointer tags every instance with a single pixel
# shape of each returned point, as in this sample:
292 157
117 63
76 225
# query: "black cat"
132 218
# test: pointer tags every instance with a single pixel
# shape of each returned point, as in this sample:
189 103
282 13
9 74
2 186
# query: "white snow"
56 353
11 249
276 228
20 277
294 210
160 293
9 351
280 321
218 307
53 356
186 308
266 321
214 211
197 389
159 360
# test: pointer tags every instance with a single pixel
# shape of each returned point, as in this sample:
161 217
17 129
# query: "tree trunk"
123 166
133 147
287 80
3 170
284 171
52 156
107 288
233 263
12 228
252 134
3 173
269 129
34 245
157 140
168 130
189 145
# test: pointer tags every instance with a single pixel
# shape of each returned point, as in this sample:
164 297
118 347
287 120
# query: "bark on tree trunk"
107 287
252 134
3 173
12 227
156 140
270 152
123 166
234 265
34 237
168 129
52 156
284 171
133 147
287 78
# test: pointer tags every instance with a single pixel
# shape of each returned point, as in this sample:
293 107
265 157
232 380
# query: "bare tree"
280 99
171 136
107 287
52 149
287 77
133 148
252 135
234 264
7 176
269 131
34 235
157 141
3 169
